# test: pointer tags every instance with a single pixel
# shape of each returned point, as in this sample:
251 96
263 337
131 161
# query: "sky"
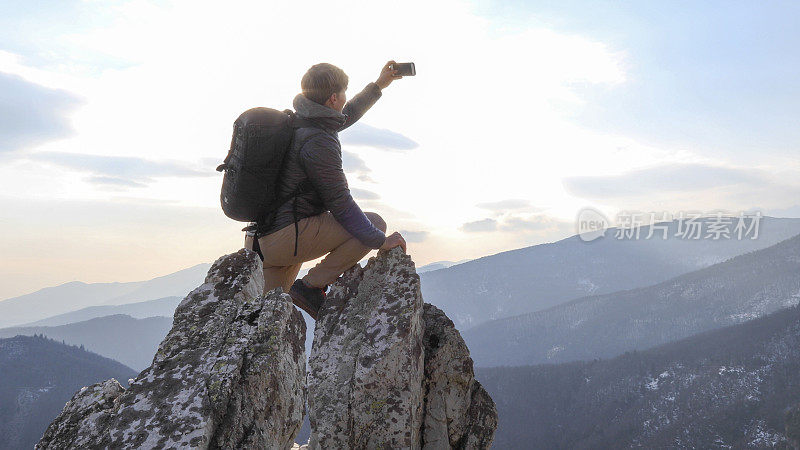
113 116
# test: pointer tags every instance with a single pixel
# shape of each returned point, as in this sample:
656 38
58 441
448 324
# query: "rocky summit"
230 374
386 371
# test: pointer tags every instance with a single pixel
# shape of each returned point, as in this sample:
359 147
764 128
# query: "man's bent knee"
376 220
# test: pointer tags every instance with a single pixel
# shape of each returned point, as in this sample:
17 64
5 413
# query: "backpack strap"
257 248
302 122
305 186
225 162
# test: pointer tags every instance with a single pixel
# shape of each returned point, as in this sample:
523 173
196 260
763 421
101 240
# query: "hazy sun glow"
150 90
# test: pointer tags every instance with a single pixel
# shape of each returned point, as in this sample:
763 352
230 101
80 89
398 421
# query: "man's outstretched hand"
393 240
387 75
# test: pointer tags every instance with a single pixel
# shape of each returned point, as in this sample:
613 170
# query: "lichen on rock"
230 374
386 371
366 364
458 411
390 371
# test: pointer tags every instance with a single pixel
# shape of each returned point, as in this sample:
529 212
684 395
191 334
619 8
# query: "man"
325 218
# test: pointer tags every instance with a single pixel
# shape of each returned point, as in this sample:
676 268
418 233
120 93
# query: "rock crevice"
386 371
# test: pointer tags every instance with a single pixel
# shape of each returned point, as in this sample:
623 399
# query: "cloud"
120 170
414 236
363 194
386 211
363 134
31 114
506 205
212 163
661 179
114 181
21 28
532 223
536 223
479 226
354 164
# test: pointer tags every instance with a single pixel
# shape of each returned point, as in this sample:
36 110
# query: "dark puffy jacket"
320 161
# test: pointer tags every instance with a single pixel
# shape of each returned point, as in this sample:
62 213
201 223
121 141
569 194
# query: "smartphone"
404 69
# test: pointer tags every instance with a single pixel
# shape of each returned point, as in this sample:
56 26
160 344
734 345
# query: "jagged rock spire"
386 371
230 374
458 411
390 371
366 366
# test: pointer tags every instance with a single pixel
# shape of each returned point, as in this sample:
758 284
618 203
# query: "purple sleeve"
353 219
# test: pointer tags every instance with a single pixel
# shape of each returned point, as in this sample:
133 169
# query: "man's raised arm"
361 102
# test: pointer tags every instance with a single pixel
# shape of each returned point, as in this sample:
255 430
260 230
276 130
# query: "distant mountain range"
163 307
439 265
727 388
37 377
130 341
72 296
538 277
77 301
469 291
601 326
565 301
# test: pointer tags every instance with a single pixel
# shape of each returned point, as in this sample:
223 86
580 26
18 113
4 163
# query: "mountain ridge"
535 278
725 387
75 295
163 307
118 337
741 288
38 376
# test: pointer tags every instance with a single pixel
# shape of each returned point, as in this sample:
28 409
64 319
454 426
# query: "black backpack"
261 138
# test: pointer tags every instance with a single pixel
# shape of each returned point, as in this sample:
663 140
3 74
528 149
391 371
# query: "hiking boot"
307 298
